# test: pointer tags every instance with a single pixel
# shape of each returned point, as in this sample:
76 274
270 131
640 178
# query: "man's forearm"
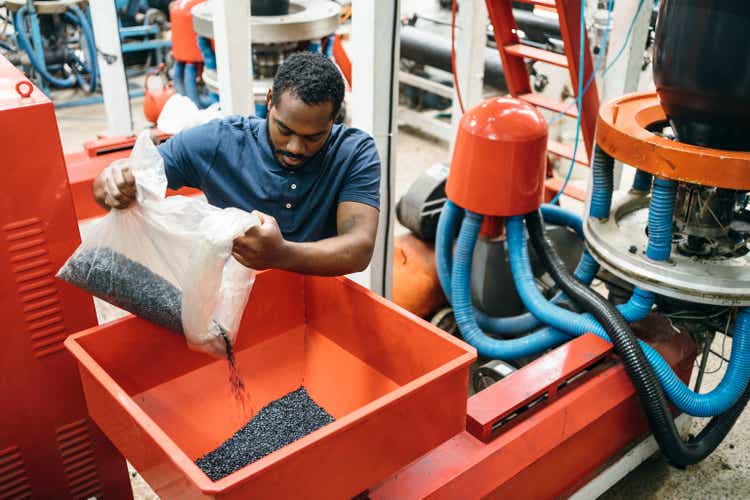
335 256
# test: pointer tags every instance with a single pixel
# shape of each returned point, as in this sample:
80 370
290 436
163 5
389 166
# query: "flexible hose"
660 212
38 65
713 403
513 325
602 174
555 214
642 375
506 349
209 60
209 57
76 16
179 77
642 181
191 87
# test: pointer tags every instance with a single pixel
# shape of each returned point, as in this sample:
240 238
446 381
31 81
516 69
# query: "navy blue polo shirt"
231 161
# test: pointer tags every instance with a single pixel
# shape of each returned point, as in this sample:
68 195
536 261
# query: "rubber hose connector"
660 213
602 172
644 380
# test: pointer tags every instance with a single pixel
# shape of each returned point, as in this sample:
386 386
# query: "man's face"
297 130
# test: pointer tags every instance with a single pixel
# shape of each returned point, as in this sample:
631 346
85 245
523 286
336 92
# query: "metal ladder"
514 56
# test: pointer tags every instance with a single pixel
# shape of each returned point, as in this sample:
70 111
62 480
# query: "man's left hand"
263 246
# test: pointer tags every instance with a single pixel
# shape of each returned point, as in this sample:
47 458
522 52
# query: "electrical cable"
579 97
454 7
590 82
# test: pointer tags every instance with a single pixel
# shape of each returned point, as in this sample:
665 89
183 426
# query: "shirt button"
293 186
288 205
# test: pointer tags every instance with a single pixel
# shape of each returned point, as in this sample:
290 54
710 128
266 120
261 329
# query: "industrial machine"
53 40
675 244
277 30
566 386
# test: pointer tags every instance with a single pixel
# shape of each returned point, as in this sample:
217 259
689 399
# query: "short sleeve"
189 154
362 182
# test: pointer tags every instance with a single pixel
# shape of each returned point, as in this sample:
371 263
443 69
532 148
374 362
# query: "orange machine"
48 446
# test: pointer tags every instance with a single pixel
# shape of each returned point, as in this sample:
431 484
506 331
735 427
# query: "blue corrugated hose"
701 405
660 212
462 308
191 87
602 174
37 58
209 60
179 77
513 325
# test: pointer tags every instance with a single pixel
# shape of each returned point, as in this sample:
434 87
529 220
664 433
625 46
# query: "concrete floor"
726 474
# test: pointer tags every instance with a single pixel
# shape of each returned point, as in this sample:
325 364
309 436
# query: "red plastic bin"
395 384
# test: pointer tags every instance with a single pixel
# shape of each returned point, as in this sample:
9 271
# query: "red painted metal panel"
48 447
538 380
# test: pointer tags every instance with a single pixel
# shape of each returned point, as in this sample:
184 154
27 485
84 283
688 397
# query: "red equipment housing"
499 159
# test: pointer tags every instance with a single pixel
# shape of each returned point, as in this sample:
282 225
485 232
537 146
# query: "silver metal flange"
307 20
619 245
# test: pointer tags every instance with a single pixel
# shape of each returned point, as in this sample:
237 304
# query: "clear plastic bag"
180 113
168 260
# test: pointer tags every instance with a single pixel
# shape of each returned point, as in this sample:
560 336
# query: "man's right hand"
115 187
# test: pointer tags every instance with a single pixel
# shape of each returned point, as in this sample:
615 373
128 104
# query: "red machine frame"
48 446
543 432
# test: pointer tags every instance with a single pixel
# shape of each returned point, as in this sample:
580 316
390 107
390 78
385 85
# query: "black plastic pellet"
132 286
276 425
127 284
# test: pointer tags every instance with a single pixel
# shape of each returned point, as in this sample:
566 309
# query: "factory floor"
725 474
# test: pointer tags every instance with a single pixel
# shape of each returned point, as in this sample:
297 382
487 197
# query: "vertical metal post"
375 44
111 68
471 39
231 20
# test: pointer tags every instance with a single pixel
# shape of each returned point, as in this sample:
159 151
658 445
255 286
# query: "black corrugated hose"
679 453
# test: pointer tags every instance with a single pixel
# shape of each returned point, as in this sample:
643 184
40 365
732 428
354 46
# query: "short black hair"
311 77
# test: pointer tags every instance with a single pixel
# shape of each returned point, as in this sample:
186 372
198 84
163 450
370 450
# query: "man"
314 185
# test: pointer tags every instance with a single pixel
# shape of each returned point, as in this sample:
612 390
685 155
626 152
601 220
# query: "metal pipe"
435 51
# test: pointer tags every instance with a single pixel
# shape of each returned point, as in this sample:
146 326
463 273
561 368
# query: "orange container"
395 384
